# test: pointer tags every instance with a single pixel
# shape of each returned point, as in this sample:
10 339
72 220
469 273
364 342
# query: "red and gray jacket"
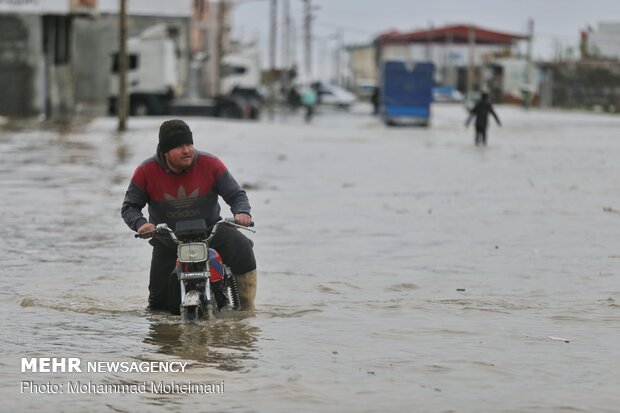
192 194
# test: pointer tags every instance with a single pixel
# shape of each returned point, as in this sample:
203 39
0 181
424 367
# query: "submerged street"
397 267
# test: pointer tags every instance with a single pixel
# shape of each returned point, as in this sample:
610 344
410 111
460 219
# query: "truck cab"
152 73
241 71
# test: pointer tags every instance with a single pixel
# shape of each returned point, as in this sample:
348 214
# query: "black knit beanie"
173 133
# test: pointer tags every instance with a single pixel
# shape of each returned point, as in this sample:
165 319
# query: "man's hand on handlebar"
243 219
146 228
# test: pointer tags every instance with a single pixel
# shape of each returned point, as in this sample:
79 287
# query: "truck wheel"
140 109
254 113
230 112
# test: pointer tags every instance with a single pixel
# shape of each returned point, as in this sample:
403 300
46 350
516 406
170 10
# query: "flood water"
400 269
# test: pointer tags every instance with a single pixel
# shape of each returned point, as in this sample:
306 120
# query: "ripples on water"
398 267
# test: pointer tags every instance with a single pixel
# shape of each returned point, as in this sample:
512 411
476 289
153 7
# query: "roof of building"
458 34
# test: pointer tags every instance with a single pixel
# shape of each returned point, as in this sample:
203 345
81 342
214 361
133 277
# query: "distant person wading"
481 113
309 101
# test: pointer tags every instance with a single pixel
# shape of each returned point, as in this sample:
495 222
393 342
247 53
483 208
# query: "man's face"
181 157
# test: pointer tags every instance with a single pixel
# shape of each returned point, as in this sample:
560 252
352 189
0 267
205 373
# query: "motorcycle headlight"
192 252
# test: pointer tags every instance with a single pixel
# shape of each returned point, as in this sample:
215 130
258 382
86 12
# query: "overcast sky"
555 20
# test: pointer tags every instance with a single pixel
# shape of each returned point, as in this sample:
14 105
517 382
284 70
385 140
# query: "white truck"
154 86
241 71
152 75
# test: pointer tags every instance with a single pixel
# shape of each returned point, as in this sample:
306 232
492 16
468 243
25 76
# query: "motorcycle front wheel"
192 313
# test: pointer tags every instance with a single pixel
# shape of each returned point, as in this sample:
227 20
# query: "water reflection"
226 344
122 150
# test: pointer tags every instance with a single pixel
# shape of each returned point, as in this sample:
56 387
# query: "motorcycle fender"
192 298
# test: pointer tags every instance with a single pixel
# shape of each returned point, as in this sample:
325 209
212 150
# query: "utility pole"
324 71
121 99
272 55
527 98
471 36
308 39
286 45
286 51
339 49
293 44
449 69
430 38
286 34
219 54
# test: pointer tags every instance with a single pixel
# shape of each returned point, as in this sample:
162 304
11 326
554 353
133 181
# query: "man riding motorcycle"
179 183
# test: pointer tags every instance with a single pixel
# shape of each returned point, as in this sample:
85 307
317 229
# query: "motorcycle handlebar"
232 221
161 228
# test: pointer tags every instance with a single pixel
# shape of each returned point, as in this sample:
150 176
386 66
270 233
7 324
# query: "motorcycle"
200 285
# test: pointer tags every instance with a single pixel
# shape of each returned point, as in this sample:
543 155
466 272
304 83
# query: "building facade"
604 42
56 55
488 57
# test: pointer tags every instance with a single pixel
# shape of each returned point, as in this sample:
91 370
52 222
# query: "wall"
20 65
584 84
362 63
515 77
35 83
605 42
447 58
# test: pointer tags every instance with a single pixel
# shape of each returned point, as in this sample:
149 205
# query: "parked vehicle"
249 99
443 93
241 92
154 86
333 95
406 93
234 106
152 73
241 71
200 285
